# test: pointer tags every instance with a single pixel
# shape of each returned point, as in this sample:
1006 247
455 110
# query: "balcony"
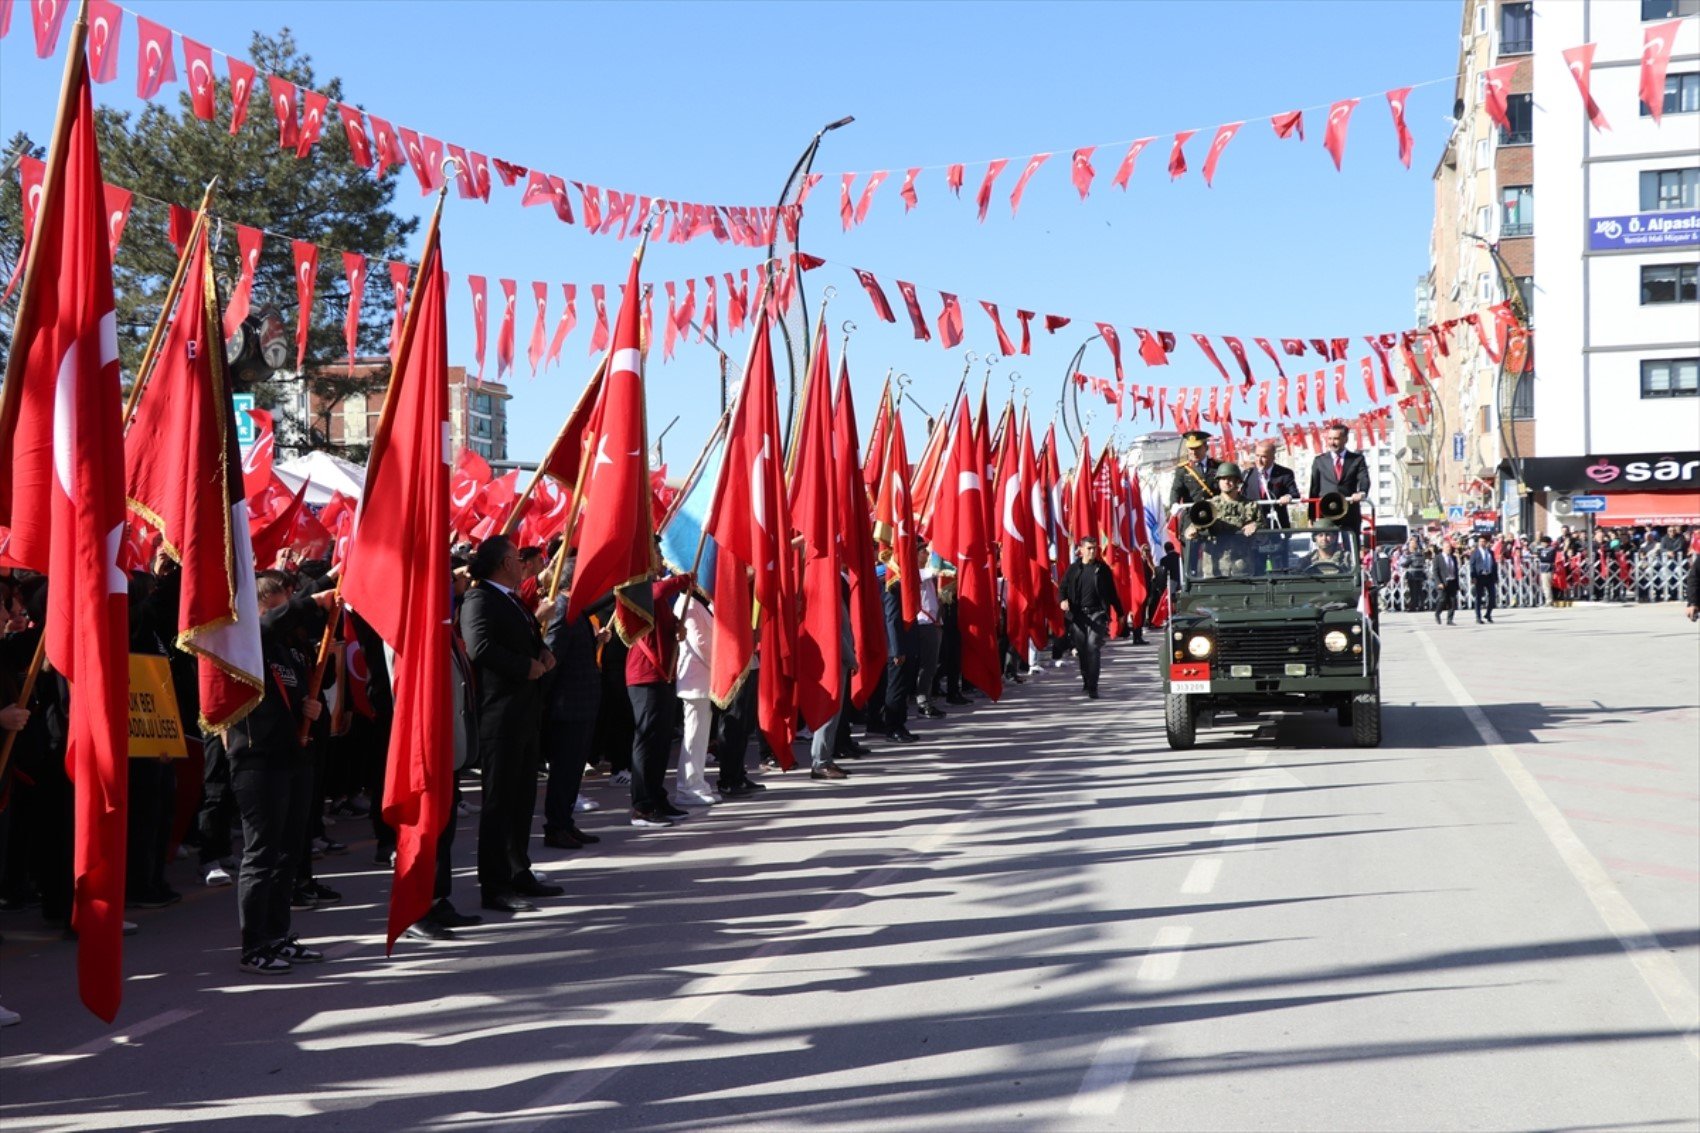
1516 47
1509 229
1524 136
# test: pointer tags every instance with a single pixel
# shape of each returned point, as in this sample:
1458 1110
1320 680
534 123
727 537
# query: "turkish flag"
241 90
1081 171
117 204
413 149
1396 103
599 333
1237 349
106 23
306 272
819 660
1005 346
1177 155
1125 170
398 288
354 270
480 174
1293 121
846 207
953 178
154 64
569 319
876 296
566 455
62 496
203 89
48 16
480 288
465 187
856 546
1151 348
257 461
1580 61
1655 59
1033 164
1496 86
1210 353
313 107
1025 318
1055 531
983 199
1334 137
539 327
1224 135
386 147
751 532
873 462
1114 342
397 580
966 543
916 318
616 538
354 126
894 520
710 312
505 336
1039 591
283 108
468 476
908 190
1014 532
1268 348
950 321
182 465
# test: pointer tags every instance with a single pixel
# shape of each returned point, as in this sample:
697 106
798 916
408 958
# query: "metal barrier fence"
1607 578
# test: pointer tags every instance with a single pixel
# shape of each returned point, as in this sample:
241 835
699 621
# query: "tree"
168 156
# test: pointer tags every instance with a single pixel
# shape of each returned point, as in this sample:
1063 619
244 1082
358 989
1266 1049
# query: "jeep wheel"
1178 721
1366 719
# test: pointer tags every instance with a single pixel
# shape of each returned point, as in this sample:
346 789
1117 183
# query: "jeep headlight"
1200 646
1334 641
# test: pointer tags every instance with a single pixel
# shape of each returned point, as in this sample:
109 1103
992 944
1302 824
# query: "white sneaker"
582 804
216 875
695 798
9 1018
623 779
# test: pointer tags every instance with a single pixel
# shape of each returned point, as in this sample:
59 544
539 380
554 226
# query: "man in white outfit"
696 655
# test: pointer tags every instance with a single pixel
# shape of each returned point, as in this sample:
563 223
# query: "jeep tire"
1179 721
1366 719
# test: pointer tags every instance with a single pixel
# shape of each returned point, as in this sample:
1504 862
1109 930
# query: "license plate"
1189 686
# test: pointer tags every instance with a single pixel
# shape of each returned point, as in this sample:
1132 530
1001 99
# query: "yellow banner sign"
156 731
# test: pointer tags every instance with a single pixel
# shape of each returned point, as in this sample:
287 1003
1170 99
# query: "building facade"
478 413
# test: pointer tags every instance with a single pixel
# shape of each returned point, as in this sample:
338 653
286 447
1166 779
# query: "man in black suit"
1269 483
1484 579
1337 470
901 661
1088 595
506 646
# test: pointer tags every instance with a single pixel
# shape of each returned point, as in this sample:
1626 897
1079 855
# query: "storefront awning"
1644 508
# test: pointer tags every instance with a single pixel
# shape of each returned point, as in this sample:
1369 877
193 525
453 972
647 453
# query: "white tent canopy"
327 474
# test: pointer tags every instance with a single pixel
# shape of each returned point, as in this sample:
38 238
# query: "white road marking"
1253 758
1664 979
1107 1078
1201 878
106 1042
1163 961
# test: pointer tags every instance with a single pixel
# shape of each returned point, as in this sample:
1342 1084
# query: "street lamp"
1504 405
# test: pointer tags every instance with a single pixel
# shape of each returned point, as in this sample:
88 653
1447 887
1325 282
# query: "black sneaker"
264 962
649 819
294 952
316 893
672 811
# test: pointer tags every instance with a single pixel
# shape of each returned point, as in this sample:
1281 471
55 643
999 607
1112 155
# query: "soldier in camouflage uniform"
1237 518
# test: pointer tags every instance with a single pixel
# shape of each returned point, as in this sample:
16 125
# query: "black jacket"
273 727
1282 482
897 634
502 639
1090 592
574 690
1353 479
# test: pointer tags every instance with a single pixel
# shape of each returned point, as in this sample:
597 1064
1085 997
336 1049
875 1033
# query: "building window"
1663 189
1520 112
1484 287
1481 153
1517 210
1670 377
1523 398
1516 28
1669 283
481 403
1682 95
1668 9
1484 222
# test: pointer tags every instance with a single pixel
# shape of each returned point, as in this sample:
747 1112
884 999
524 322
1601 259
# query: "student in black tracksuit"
272 781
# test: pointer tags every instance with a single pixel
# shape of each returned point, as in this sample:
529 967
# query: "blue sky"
714 102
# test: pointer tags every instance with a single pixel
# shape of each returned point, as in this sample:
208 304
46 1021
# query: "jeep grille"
1267 649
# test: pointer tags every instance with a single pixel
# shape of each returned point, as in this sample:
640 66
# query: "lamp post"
1505 399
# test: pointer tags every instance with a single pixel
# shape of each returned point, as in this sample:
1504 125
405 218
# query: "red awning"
1645 508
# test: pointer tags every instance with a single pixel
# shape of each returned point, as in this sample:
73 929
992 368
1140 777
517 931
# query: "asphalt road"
1039 918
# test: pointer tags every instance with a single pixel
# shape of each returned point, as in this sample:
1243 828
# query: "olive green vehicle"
1271 622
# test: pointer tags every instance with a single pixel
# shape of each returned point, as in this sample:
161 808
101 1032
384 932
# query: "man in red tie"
1337 470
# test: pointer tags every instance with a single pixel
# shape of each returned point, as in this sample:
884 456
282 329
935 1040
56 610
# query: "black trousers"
444 884
218 805
654 707
925 641
509 756
1089 638
737 724
1482 590
1446 601
899 691
271 793
153 802
566 743
950 653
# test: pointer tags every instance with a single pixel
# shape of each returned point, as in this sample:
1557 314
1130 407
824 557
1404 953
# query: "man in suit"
1337 470
1195 479
1447 571
900 656
1484 579
506 647
1267 482
1088 596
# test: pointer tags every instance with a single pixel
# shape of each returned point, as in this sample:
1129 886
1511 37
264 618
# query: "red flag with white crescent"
1125 170
283 109
569 319
306 279
1033 164
1580 61
354 270
398 288
505 336
1396 104
1081 171
539 326
354 126
1224 135
154 64
106 22
1655 60
480 289
1334 137
313 108
1289 123
983 199
242 77
1496 93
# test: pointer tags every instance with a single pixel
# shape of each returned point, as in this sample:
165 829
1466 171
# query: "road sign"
1455 513
1457 446
244 423
1584 505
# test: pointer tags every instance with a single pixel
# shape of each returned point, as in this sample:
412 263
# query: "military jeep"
1272 622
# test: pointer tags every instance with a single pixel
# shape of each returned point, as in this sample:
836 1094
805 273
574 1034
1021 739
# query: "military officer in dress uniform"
1236 519
1192 482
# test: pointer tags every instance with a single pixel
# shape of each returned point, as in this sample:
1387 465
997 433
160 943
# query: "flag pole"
577 505
511 521
156 339
380 438
76 61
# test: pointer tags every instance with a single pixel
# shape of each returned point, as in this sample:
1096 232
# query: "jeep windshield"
1276 553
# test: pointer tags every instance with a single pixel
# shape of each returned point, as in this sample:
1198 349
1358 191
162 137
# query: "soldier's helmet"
1227 471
